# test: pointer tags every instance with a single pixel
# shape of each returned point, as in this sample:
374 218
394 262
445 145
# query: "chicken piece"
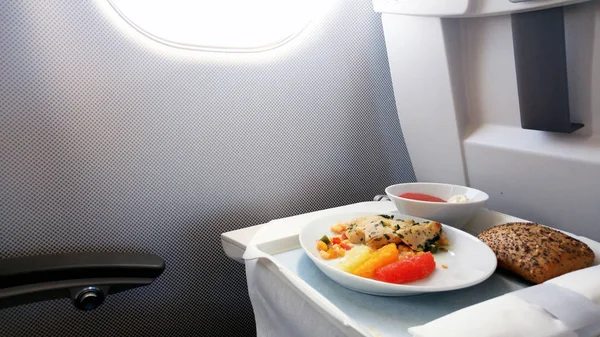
380 236
375 231
421 236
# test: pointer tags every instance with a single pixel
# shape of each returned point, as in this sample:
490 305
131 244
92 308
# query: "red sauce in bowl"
421 197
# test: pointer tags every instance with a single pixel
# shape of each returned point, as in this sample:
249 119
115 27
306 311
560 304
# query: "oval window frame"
270 43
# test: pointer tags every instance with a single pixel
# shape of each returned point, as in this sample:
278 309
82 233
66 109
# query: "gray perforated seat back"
109 145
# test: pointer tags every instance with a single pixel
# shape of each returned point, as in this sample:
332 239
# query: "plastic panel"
429 103
463 8
541 176
541 64
112 142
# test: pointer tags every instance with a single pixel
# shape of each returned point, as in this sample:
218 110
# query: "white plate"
469 261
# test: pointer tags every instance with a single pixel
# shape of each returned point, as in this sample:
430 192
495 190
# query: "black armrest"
85 277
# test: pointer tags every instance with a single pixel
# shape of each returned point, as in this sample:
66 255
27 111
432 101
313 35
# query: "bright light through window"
242 25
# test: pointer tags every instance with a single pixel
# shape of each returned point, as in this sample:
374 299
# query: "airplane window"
230 25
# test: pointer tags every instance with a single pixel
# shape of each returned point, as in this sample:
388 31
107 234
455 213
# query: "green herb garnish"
430 245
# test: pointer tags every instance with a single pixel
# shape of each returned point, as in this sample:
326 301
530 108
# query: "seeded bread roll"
535 252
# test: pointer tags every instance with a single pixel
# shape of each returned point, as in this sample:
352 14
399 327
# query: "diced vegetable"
329 254
339 251
332 252
321 245
407 270
337 229
383 256
333 247
355 258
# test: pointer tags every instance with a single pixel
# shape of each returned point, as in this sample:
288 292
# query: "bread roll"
535 252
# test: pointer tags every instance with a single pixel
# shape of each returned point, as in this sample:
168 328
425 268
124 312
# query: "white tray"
368 315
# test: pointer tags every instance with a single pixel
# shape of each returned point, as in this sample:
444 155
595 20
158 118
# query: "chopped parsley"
430 245
386 216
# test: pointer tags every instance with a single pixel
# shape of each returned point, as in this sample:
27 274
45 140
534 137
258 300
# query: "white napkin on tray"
511 315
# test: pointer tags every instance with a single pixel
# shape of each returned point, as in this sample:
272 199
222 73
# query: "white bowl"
453 214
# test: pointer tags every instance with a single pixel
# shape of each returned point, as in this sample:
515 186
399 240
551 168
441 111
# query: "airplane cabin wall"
110 141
